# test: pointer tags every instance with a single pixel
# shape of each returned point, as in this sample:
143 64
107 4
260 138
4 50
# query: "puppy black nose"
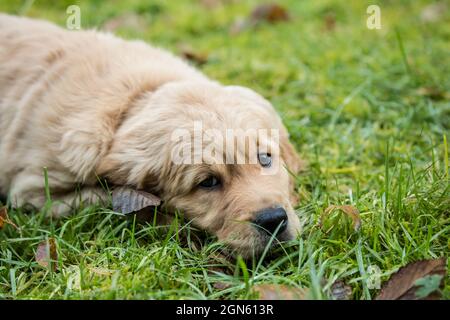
270 219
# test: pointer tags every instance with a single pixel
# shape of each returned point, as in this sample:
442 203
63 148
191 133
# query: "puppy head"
218 154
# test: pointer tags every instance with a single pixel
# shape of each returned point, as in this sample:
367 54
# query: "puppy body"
62 97
87 104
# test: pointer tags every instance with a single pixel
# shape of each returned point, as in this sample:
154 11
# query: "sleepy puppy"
88 106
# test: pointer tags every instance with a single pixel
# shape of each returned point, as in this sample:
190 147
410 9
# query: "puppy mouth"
273 240
263 243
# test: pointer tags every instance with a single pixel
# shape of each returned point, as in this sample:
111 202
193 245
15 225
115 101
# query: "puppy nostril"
272 218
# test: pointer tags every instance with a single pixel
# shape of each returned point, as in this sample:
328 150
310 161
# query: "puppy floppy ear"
290 156
293 163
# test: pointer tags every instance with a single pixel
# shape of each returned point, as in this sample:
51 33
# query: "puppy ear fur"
290 156
294 165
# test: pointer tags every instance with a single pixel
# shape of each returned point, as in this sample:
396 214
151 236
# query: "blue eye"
265 159
210 182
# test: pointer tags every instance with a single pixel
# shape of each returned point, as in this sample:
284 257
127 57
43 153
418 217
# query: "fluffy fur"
87 105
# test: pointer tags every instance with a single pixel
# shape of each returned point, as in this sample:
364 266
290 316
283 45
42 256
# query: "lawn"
368 109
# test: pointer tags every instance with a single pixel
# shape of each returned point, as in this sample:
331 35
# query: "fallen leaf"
46 254
271 12
413 281
126 200
330 22
351 211
221 285
279 292
196 57
4 218
433 93
340 291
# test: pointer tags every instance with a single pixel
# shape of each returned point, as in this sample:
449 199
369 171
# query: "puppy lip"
262 240
265 238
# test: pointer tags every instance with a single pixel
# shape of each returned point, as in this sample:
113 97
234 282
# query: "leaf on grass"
271 12
220 285
46 253
4 218
433 93
330 22
126 200
351 211
341 291
417 280
279 292
196 57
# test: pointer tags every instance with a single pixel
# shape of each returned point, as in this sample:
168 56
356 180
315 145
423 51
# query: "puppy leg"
28 188
63 205
294 164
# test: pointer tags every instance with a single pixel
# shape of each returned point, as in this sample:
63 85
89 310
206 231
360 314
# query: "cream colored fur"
85 104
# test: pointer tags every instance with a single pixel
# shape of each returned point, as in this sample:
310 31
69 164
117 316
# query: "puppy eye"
210 182
265 159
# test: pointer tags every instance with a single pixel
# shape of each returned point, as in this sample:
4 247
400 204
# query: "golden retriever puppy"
89 106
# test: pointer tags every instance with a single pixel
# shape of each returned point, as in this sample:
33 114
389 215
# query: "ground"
368 109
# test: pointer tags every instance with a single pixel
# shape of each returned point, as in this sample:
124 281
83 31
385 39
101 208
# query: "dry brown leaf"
279 292
402 284
221 285
271 12
4 218
341 291
126 200
433 93
46 253
351 211
196 57
330 22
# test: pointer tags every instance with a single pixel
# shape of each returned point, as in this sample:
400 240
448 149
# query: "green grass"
368 109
